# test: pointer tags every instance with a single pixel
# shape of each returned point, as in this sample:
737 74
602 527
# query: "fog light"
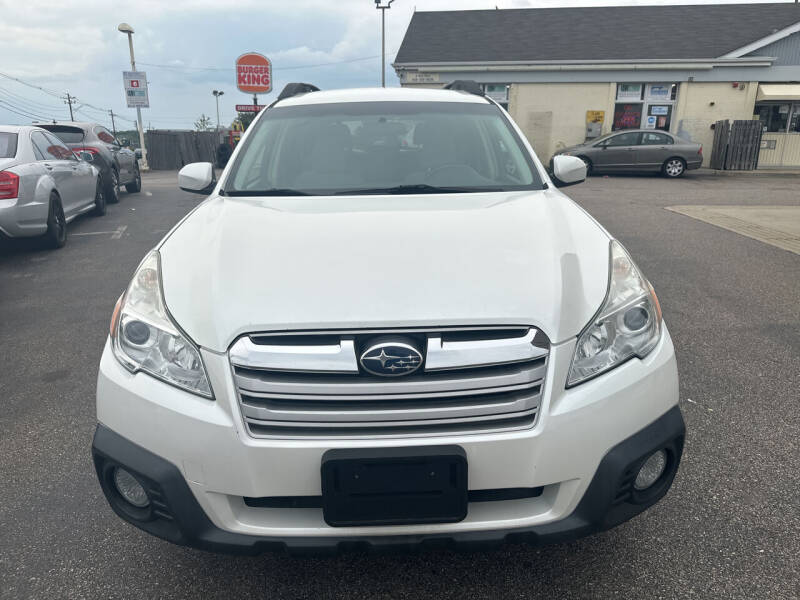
651 470
130 489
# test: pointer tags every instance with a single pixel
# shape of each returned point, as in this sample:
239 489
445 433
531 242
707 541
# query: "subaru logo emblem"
390 359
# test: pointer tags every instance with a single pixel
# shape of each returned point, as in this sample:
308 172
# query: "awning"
778 91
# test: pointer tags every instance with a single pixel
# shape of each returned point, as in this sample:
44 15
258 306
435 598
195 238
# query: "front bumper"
200 464
178 518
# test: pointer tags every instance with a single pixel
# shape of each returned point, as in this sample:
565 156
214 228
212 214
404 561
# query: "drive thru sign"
254 73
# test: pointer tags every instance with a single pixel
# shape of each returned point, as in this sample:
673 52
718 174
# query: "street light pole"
217 94
128 30
383 10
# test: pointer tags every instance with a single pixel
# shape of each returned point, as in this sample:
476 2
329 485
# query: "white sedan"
43 185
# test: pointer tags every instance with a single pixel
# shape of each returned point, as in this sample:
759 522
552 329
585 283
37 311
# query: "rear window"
67 134
8 145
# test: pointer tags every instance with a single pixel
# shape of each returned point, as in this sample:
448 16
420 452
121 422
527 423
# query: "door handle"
48 167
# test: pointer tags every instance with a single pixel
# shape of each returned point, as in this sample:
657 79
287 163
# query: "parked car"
116 162
360 341
43 185
638 150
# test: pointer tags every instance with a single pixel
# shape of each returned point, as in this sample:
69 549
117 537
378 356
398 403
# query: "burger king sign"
254 73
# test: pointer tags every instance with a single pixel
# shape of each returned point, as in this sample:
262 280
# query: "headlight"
628 324
145 338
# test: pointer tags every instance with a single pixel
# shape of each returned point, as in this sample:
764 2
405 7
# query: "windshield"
68 135
382 148
8 145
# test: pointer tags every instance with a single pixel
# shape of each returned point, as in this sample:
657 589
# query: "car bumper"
19 219
198 463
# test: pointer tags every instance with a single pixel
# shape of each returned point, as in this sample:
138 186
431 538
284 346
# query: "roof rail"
465 85
294 89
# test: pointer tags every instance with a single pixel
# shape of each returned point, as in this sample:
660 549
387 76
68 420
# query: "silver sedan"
639 150
43 185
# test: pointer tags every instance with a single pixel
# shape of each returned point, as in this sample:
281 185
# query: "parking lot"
729 528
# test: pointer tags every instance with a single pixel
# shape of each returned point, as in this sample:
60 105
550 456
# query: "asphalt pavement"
729 528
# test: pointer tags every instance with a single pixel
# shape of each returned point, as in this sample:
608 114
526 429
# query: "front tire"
111 188
135 185
56 235
588 165
99 200
673 167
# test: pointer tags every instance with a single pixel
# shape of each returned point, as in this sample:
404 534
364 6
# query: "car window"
624 139
66 133
337 148
48 148
57 148
105 135
8 145
655 139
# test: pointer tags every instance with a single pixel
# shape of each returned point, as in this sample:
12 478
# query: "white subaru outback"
385 327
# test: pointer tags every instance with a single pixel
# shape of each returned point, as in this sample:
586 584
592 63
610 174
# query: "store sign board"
629 91
249 107
595 116
659 91
254 73
414 77
135 83
659 110
650 123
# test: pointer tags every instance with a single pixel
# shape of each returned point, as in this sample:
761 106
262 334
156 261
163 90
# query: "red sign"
254 73
249 107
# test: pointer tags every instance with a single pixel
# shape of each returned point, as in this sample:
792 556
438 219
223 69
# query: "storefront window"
627 116
773 117
644 105
498 93
794 120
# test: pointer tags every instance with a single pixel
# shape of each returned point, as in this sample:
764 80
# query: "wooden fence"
167 149
736 146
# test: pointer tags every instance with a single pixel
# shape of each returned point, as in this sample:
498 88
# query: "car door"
655 148
617 152
122 156
81 183
59 169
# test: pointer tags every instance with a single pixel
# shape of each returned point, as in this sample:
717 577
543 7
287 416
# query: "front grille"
310 385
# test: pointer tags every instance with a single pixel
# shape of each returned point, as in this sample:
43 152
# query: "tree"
203 123
245 119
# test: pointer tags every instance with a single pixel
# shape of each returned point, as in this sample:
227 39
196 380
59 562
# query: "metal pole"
145 166
383 47
217 98
113 125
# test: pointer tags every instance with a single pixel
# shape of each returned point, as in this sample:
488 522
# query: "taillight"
88 149
9 185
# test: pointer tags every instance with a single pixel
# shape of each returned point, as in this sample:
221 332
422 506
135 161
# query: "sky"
188 48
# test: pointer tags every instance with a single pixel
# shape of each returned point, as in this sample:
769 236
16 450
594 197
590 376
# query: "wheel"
588 165
673 167
135 185
56 235
111 188
99 200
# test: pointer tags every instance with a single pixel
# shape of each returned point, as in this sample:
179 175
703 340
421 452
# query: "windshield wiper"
417 188
269 192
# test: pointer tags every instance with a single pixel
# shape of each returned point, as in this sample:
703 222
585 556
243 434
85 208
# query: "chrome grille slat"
490 383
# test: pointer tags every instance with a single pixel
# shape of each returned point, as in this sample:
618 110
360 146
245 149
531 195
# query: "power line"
229 69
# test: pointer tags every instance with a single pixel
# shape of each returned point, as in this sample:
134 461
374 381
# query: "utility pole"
383 10
128 30
113 125
69 100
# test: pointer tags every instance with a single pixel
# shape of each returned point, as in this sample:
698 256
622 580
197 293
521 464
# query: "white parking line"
148 193
94 233
118 233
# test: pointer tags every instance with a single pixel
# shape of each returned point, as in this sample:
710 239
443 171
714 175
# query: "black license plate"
394 486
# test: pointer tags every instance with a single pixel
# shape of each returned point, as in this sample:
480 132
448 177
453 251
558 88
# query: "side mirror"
568 170
197 178
138 153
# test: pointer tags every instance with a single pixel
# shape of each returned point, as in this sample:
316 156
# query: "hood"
241 265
